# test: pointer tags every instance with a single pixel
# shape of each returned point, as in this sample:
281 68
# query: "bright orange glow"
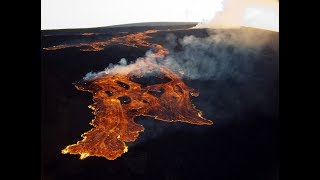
133 40
87 34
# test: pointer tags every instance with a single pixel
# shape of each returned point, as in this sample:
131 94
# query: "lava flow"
133 40
144 88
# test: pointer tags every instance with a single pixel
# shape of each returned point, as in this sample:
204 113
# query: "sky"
68 14
61 14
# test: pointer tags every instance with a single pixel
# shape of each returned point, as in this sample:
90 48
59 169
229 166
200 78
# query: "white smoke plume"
123 67
262 14
224 54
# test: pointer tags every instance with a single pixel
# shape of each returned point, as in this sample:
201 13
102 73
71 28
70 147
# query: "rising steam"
262 14
224 54
123 67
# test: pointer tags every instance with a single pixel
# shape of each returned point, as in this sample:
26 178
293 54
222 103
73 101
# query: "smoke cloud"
224 54
254 13
122 67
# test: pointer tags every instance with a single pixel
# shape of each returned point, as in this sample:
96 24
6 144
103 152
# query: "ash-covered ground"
236 74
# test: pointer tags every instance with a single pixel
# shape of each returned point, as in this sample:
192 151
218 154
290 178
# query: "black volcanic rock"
243 143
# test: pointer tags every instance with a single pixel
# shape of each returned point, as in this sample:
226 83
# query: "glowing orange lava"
87 34
133 40
152 90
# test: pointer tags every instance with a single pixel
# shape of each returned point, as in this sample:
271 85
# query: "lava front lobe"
118 100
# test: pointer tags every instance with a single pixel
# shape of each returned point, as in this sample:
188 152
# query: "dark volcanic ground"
242 144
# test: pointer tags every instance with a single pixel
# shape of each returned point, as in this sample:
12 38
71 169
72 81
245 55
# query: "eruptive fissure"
152 90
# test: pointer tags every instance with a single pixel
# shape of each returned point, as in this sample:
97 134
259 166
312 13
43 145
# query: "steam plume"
122 67
254 13
224 54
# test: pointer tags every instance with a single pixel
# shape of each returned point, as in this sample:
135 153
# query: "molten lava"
87 34
118 100
133 40
149 90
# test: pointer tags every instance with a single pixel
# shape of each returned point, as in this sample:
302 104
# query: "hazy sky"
57 14
62 14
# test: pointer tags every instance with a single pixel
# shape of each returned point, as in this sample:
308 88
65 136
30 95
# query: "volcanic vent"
144 88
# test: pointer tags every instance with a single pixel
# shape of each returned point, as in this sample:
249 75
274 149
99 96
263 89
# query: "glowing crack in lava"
144 88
